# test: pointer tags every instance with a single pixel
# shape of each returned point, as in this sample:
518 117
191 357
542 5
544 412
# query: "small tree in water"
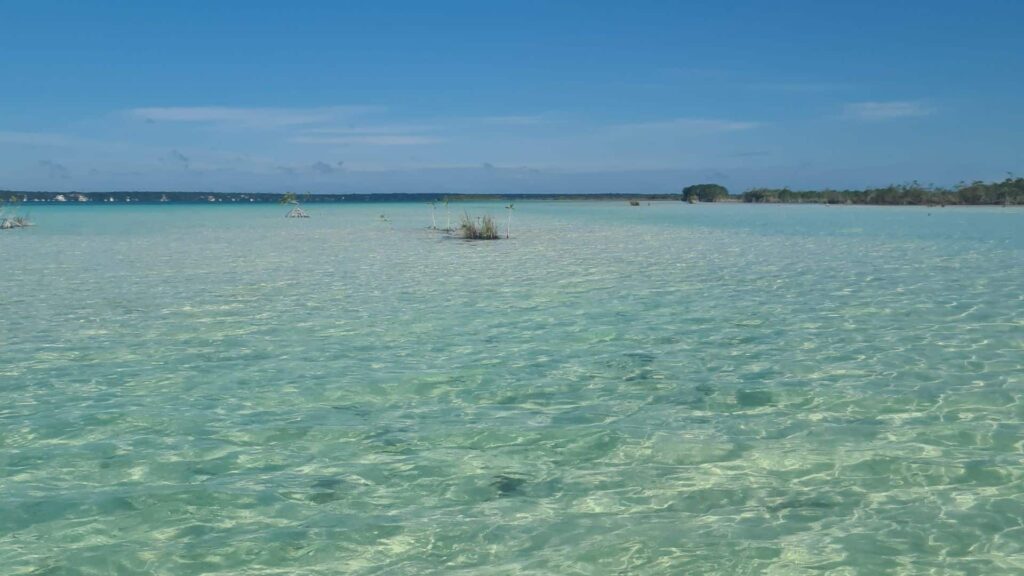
12 220
296 212
508 227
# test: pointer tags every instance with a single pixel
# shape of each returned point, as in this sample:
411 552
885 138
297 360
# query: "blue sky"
524 96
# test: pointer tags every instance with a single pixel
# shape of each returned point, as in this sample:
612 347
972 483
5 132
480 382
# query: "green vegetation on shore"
705 193
1009 191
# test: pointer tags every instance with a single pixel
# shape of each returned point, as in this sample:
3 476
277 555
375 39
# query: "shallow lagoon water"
709 389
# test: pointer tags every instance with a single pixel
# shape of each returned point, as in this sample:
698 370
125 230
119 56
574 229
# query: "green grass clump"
486 229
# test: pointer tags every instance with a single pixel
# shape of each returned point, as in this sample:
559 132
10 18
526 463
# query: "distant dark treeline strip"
1009 191
123 197
1006 192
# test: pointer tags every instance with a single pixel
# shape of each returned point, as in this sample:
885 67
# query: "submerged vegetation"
482 229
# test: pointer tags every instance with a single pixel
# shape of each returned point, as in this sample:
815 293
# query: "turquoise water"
669 389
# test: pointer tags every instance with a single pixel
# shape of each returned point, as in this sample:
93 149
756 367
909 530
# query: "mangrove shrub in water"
485 229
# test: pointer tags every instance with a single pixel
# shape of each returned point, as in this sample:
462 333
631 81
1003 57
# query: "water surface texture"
666 389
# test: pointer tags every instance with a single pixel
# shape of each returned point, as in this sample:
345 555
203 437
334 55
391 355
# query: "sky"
567 96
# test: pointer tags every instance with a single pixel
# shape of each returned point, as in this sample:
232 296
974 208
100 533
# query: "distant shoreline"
757 196
271 198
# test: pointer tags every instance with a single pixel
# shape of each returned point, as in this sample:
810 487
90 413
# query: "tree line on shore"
1007 192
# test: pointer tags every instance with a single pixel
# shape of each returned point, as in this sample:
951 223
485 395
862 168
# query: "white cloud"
886 110
250 117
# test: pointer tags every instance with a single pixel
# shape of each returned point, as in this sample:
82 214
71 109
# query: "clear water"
665 389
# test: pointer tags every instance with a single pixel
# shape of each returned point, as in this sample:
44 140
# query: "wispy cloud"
513 120
325 168
364 130
178 159
250 117
37 138
55 169
799 87
690 126
886 110
368 139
